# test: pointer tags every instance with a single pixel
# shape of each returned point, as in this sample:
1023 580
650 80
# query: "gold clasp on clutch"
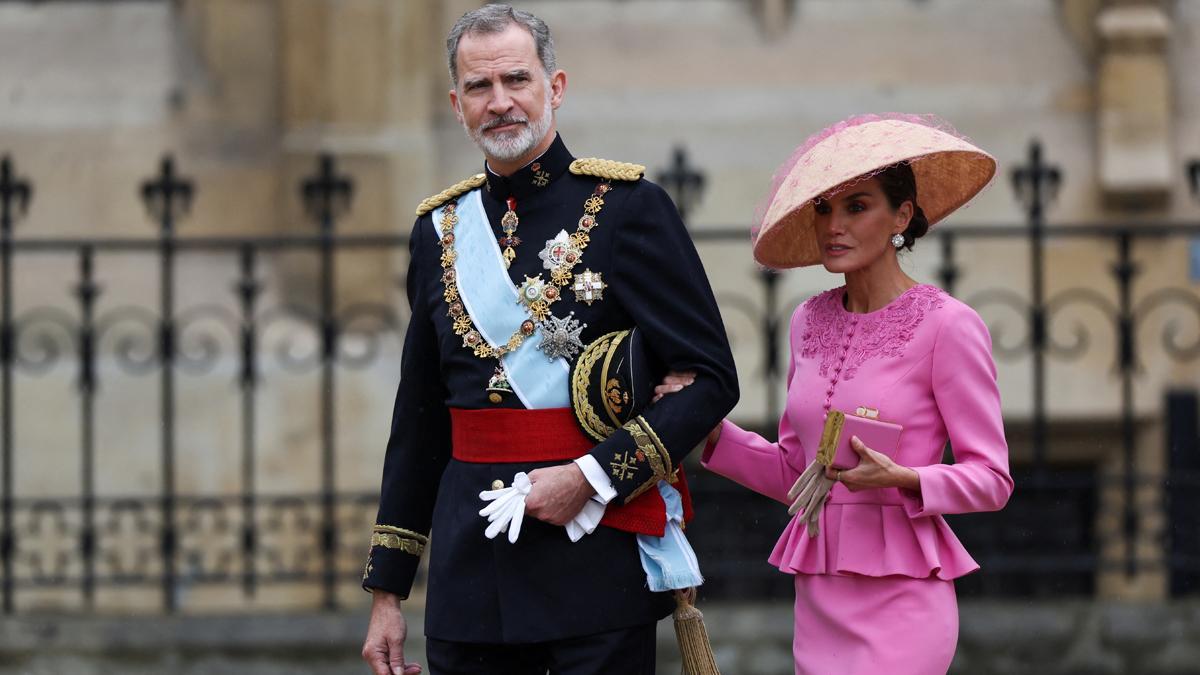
830 436
869 413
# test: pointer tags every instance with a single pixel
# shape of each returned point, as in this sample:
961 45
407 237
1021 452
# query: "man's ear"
454 105
558 87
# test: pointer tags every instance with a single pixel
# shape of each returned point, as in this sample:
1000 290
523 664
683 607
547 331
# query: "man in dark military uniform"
512 273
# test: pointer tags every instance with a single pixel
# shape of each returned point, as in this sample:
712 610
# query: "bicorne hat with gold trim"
611 382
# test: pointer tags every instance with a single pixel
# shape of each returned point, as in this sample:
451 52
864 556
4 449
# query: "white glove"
587 519
507 508
809 493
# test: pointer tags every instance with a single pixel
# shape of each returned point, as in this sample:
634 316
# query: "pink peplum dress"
874 590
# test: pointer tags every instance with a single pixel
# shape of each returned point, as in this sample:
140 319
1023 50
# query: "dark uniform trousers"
628 651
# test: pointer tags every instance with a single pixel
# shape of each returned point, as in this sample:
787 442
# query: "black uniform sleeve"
419 445
659 280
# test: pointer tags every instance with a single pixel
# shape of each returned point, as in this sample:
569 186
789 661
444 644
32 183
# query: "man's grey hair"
496 18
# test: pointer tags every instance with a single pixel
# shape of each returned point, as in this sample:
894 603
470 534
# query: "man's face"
504 99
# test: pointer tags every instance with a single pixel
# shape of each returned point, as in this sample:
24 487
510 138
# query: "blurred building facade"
247 94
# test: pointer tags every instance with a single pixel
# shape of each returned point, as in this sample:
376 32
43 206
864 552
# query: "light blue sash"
669 561
490 297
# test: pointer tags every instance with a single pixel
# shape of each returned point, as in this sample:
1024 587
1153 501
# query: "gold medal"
508 223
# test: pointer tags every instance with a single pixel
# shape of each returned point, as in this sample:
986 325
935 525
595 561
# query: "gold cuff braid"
646 444
398 538
658 444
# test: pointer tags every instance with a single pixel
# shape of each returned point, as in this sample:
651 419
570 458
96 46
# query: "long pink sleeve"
750 460
964 387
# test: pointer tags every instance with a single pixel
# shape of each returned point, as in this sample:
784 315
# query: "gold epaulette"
607 169
461 187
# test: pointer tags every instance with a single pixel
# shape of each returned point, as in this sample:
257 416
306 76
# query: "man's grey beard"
514 144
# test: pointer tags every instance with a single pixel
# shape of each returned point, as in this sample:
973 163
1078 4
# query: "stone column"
1149 581
1133 105
356 83
226 122
1135 152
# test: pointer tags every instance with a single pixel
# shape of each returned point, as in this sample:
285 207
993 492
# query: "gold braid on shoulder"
607 169
461 187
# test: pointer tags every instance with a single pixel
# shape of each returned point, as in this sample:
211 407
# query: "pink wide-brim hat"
949 171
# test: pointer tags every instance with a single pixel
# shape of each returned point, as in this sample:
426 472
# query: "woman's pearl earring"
898 240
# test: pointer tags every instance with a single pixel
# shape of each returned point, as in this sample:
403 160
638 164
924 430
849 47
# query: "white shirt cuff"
597 478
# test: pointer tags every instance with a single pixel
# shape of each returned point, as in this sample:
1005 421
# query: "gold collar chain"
535 294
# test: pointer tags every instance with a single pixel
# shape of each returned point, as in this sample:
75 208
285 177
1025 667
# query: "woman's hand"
675 382
672 383
874 470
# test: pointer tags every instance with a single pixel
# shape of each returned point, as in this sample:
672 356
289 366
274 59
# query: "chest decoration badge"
560 251
589 287
560 337
510 240
540 178
537 296
498 385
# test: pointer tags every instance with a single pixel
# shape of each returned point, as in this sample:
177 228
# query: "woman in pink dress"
874 561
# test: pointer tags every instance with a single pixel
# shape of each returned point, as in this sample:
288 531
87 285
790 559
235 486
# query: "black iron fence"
1051 540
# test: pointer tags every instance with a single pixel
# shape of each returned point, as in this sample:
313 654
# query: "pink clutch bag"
835 450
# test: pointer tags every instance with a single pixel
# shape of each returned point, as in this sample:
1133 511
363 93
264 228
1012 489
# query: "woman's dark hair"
900 185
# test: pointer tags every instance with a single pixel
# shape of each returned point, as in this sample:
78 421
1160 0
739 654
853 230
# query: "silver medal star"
559 252
560 337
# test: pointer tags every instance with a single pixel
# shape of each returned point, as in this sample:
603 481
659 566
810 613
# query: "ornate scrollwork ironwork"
199 349
355 514
47 542
1165 297
208 539
1074 297
364 329
290 532
128 544
43 336
743 318
135 332
294 335
1011 300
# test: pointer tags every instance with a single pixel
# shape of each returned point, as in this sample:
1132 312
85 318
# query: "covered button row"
837 370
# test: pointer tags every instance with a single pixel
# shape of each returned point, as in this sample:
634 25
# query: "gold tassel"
694 646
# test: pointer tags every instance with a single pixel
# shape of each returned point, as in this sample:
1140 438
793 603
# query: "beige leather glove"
808 495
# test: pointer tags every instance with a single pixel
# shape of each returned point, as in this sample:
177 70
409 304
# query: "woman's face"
854 226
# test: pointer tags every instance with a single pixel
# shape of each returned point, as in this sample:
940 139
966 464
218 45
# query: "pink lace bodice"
844 341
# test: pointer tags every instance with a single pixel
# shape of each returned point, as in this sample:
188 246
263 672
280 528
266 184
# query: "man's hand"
383 649
558 493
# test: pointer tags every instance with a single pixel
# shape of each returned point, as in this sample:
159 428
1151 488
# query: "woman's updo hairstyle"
900 185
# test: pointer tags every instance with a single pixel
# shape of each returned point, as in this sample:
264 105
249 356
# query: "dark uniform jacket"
543 587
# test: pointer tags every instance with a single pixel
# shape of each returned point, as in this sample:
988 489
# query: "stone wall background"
246 93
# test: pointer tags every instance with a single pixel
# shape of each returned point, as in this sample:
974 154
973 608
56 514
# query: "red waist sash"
503 435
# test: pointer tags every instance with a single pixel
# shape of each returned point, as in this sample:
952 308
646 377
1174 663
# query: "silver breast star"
559 251
560 337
